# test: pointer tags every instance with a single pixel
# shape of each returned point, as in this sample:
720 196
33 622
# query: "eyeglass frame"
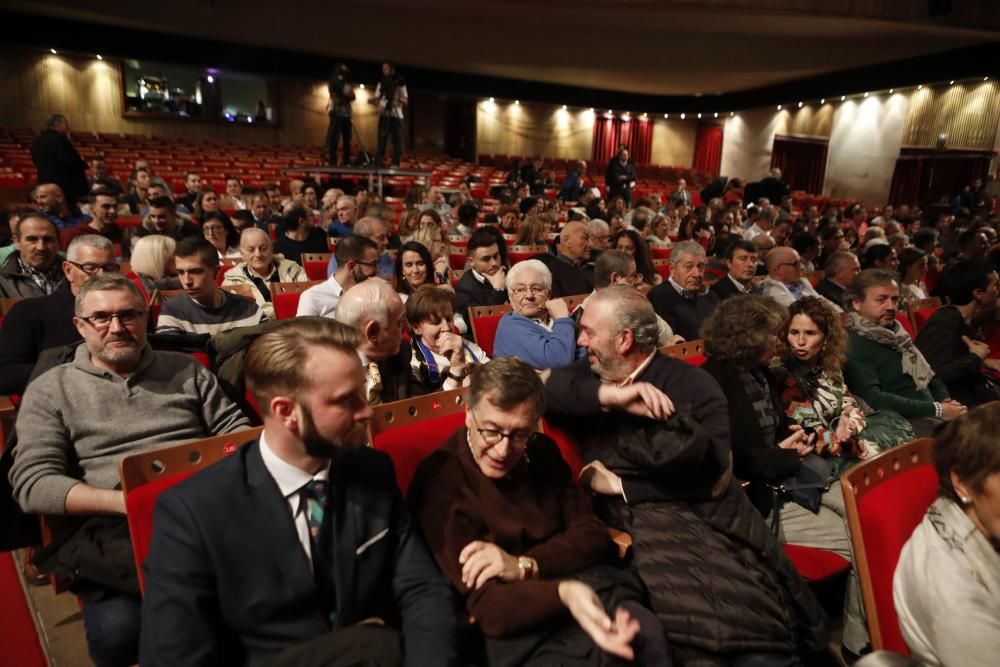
114 268
509 436
126 318
521 290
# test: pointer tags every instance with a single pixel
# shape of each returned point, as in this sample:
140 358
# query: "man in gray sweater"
117 397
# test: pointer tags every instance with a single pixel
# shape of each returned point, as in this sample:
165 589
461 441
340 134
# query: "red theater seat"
484 321
886 499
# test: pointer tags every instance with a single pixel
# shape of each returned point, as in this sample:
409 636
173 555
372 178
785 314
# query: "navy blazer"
228 582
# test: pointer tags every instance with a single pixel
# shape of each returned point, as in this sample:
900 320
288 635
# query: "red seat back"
515 257
921 316
286 304
408 445
139 506
484 331
315 270
905 321
886 499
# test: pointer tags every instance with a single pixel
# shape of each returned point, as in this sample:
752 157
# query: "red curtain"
802 162
926 176
636 134
708 149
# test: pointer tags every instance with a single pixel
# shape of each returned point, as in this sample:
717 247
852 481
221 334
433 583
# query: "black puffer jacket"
717 578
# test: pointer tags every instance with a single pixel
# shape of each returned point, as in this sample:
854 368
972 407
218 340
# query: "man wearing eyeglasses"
116 397
34 325
784 283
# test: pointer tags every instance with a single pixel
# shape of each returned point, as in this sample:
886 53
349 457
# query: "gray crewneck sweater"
77 421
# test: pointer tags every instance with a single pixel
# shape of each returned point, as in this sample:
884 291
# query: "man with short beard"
33 268
115 398
312 558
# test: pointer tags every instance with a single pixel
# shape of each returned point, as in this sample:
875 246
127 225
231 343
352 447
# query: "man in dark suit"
58 162
284 553
571 274
682 300
375 309
681 195
839 273
741 259
621 177
484 281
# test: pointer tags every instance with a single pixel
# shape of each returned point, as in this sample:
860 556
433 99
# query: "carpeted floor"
19 645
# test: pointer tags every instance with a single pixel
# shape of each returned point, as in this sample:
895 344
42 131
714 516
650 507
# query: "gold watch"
528 567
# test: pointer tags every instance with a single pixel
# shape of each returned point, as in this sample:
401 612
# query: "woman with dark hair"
770 448
946 586
207 201
686 230
912 269
440 358
880 256
629 242
222 234
414 268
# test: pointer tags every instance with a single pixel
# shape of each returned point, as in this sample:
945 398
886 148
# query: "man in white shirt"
784 282
357 261
762 225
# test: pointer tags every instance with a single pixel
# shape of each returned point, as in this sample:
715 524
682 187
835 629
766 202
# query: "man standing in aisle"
339 109
621 177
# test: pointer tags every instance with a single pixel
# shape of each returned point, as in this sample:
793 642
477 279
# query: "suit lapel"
278 534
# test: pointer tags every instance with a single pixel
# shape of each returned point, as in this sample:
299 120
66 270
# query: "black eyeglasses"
517 439
91 268
102 320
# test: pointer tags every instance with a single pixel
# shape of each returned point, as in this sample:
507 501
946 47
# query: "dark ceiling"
650 55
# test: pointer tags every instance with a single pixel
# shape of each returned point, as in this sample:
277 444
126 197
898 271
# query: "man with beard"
33 268
357 259
717 578
883 366
314 541
115 398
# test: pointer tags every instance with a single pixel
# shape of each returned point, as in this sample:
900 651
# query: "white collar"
289 479
637 372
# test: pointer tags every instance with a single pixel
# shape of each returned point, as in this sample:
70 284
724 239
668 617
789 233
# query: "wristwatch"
528 567
456 377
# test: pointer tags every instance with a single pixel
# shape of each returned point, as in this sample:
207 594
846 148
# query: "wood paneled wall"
34 85
673 141
506 128
968 112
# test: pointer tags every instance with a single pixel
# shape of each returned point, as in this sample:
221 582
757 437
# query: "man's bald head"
375 309
783 265
575 241
374 229
779 256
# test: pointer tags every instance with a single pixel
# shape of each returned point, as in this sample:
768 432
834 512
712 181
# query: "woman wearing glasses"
517 538
221 233
539 331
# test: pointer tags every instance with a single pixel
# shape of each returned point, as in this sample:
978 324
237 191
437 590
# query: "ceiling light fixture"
492 100
210 78
866 94
699 116
517 103
666 115
716 115
53 51
951 83
99 57
564 107
823 101
591 109
843 97
986 78
920 87
800 105
682 116
361 86
779 107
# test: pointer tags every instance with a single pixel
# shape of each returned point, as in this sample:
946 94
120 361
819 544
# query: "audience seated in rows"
538 330
204 308
260 268
883 366
948 338
516 536
683 300
948 573
484 280
440 359
73 429
33 268
46 322
357 259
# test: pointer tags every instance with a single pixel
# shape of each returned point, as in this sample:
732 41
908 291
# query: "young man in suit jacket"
484 282
284 552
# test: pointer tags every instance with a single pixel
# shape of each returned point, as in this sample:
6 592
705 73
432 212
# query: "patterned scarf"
896 338
759 393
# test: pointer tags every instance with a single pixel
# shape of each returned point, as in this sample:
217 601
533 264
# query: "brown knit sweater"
536 511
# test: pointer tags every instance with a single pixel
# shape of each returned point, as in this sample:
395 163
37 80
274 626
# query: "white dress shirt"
291 482
320 299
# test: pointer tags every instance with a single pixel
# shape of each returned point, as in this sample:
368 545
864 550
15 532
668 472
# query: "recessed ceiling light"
99 57
951 83
823 101
361 86
920 87
210 79
732 113
866 94
891 90
564 107
779 107
53 51
716 115
591 109
986 78
682 116
666 115
517 102
800 105
492 100
843 97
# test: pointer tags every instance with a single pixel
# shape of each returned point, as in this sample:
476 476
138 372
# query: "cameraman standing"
391 98
339 109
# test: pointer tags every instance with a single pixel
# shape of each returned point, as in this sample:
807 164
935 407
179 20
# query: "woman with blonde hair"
533 230
153 261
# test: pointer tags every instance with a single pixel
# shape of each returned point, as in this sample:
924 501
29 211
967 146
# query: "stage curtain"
636 134
708 149
802 162
926 176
